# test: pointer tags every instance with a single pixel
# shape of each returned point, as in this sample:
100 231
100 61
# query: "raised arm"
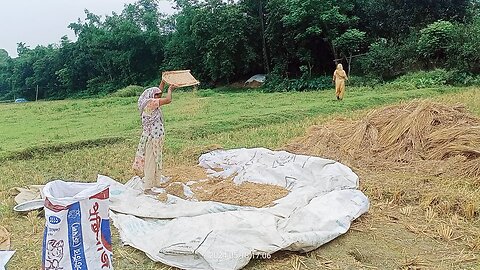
168 98
162 85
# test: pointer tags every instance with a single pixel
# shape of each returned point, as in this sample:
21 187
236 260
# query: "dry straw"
417 153
445 232
420 133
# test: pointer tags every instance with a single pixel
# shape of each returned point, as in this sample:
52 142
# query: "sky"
43 22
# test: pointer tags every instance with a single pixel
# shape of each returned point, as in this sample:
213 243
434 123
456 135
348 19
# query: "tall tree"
394 18
5 74
214 39
310 26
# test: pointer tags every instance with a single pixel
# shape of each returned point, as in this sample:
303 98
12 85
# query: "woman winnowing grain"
339 78
148 158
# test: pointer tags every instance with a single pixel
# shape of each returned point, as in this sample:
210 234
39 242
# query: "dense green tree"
224 41
214 39
5 74
303 33
464 52
434 41
349 43
396 18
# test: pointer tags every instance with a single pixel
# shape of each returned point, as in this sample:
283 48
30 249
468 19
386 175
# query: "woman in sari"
339 78
148 159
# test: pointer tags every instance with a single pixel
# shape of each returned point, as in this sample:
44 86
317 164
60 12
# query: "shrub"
275 83
434 41
423 79
129 91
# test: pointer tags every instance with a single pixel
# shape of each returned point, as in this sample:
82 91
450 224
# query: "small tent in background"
255 81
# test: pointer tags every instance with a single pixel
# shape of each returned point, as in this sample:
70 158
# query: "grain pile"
185 173
219 190
423 135
4 239
175 188
245 194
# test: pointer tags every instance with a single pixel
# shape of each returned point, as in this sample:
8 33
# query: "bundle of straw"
402 134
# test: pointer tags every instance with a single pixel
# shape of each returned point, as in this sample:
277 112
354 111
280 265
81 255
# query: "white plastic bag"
77 227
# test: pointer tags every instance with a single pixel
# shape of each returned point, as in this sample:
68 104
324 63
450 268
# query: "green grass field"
78 139
192 119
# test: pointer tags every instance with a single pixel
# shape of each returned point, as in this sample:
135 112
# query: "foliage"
395 18
363 81
207 113
204 32
279 84
351 41
129 91
423 79
295 41
464 53
435 40
387 59
311 26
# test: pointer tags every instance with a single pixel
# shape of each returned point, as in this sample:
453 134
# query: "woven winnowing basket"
180 78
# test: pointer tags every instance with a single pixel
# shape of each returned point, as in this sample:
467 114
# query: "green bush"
423 79
457 77
275 83
278 84
318 83
388 59
412 80
464 53
129 91
434 40
85 94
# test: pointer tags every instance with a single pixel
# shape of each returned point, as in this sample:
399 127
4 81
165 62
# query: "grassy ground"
30 127
77 139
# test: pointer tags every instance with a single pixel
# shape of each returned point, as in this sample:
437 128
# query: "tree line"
227 41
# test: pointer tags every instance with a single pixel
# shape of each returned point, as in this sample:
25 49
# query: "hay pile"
422 135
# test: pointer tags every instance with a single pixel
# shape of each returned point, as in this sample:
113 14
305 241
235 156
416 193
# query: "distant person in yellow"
339 78
148 159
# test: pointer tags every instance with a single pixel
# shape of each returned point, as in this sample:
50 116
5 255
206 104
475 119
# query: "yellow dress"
339 76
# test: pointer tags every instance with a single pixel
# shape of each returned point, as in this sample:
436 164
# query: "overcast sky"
43 22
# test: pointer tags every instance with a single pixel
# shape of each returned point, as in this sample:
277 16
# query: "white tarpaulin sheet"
322 202
5 256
